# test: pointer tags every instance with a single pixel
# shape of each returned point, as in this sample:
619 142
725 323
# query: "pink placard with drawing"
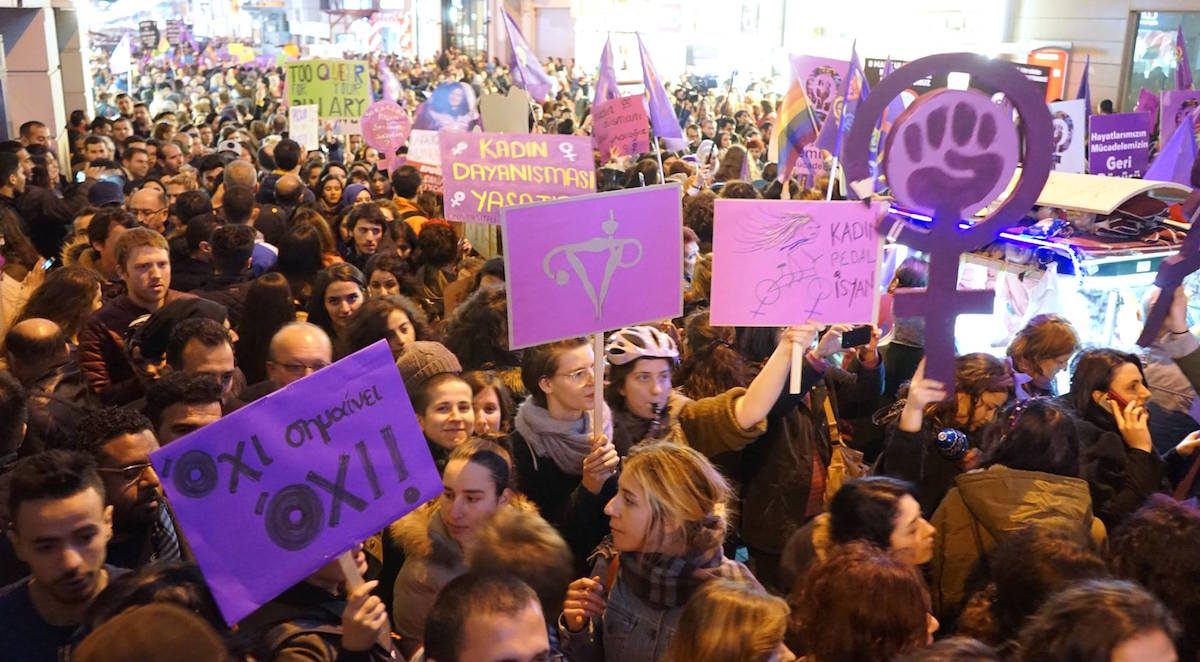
593 263
779 263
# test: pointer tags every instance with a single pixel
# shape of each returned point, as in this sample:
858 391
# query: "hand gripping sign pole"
950 154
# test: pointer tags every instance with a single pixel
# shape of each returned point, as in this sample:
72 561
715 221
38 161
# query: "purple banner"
270 493
1119 145
593 263
483 173
1177 107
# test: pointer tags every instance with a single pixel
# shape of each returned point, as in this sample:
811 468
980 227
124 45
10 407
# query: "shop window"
1153 62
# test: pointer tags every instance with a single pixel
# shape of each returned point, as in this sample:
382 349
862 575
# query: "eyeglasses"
577 376
129 474
296 368
146 212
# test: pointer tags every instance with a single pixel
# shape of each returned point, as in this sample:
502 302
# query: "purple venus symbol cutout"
949 155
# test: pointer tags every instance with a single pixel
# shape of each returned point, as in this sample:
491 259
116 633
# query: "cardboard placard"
1070 135
593 263
506 113
385 127
782 263
622 123
303 126
484 172
425 155
341 89
1119 145
270 493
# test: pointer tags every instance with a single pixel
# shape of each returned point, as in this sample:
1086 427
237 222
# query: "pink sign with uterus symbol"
592 263
385 126
949 155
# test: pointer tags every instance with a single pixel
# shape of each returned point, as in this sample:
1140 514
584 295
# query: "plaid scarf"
664 581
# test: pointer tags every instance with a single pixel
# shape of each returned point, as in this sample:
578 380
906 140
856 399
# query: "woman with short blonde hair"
668 523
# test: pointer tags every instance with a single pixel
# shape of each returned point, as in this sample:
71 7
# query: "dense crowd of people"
195 259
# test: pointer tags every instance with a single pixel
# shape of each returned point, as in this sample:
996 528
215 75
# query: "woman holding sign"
668 522
642 360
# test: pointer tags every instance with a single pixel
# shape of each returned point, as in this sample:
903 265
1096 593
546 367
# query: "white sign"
423 147
1070 135
303 126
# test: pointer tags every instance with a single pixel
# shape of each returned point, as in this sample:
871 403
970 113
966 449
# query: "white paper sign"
303 126
1070 135
423 147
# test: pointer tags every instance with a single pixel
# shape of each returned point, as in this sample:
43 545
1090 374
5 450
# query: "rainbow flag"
797 124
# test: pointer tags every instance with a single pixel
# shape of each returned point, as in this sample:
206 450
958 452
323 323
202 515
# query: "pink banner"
780 263
622 123
484 172
593 263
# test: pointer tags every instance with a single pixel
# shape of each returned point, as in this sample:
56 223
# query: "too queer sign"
270 493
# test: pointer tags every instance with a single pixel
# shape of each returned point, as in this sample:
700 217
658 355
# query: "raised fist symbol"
953 153
821 87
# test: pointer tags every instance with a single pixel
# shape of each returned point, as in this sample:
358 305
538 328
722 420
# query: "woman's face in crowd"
339 172
486 405
449 420
1127 384
379 185
629 517
342 299
573 385
912 536
469 499
647 387
1044 371
383 283
363 196
371 155
691 252
400 332
985 408
331 192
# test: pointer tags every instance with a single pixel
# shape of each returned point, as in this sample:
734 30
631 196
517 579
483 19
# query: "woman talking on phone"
1116 457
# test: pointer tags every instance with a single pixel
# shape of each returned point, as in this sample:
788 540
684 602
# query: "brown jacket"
990 503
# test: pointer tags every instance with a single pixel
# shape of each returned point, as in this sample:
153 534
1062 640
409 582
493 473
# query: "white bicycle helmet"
639 342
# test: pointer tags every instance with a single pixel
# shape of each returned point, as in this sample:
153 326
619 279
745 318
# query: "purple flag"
837 124
1085 89
662 113
606 80
527 72
1174 161
1183 65
1147 102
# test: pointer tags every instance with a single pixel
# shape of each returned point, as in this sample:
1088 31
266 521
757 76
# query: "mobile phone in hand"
859 335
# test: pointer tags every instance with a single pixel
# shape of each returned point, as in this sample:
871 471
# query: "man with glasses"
149 205
120 441
297 350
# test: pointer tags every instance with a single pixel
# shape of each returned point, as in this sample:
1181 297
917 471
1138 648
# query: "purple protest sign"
385 127
781 263
593 263
484 172
951 153
622 123
1177 107
1147 102
1119 145
270 493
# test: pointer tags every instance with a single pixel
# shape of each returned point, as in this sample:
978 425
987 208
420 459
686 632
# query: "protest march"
350 354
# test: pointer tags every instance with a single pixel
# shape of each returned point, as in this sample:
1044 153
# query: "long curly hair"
711 364
477 331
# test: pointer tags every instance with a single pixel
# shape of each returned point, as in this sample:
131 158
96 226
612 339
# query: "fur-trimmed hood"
422 533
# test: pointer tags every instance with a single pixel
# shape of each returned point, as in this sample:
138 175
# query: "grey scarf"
566 443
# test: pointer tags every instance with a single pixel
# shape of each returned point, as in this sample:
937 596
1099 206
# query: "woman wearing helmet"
644 406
